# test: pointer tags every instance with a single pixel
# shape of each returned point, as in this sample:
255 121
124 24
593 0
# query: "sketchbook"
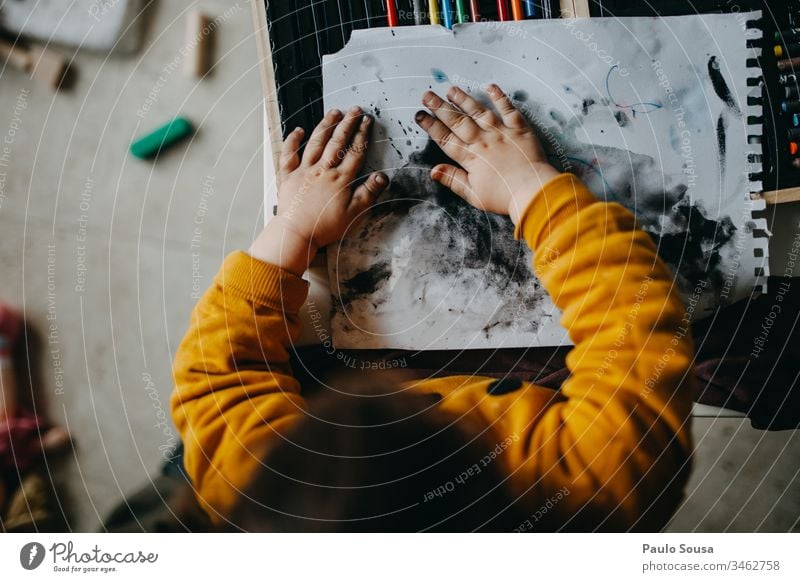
654 113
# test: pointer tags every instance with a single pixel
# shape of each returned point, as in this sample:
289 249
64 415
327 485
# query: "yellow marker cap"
778 50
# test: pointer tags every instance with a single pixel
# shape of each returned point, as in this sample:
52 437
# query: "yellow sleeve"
234 390
619 439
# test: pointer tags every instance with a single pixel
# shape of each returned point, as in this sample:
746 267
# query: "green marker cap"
166 136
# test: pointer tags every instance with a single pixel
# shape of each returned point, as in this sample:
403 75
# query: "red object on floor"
10 326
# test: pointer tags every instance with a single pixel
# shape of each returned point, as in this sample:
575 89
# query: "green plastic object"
166 136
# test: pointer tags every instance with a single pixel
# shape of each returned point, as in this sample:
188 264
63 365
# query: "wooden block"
14 55
781 196
575 9
47 66
199 30
40 63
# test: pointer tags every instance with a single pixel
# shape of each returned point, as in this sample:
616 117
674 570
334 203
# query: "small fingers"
456 120
290 157
508 113
320 136
336 148
454 178
484 117
354 158
366 193
441 134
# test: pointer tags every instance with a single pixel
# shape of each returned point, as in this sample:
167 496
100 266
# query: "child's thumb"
366 192
454 178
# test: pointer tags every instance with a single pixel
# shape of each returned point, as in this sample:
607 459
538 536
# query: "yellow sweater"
615 441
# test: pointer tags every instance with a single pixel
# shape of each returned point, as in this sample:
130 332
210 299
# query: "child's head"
377 461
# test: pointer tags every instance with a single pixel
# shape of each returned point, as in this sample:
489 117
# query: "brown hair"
367 461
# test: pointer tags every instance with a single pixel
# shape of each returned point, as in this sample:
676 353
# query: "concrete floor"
100 253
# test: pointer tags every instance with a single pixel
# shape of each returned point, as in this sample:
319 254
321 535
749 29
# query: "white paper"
629 105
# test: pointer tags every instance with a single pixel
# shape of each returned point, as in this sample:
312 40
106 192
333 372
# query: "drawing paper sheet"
651 113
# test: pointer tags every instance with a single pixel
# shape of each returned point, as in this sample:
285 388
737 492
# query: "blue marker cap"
796 120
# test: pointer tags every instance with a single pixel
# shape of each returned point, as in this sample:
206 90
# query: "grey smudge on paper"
490 35
370 61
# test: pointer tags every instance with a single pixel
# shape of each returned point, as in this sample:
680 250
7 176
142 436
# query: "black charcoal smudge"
722 128
587 103
367 282
519 96
622 119
720 86
455 241
695 251
466 239
691 241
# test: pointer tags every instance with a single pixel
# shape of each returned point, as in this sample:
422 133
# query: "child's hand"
316 199
502 162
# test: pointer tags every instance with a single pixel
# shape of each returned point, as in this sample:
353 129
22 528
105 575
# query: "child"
609 451
27 502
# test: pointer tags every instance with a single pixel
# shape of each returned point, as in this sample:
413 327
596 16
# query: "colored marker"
419 8
475 10
433 8
793 149
790 106
788 64
461 12
447 13
502 10
391 13
796 162
796 120
547 9
792 92
530 8
516 10
780 51
794 133
787 79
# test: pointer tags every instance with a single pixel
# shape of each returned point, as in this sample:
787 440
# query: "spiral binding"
755 205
